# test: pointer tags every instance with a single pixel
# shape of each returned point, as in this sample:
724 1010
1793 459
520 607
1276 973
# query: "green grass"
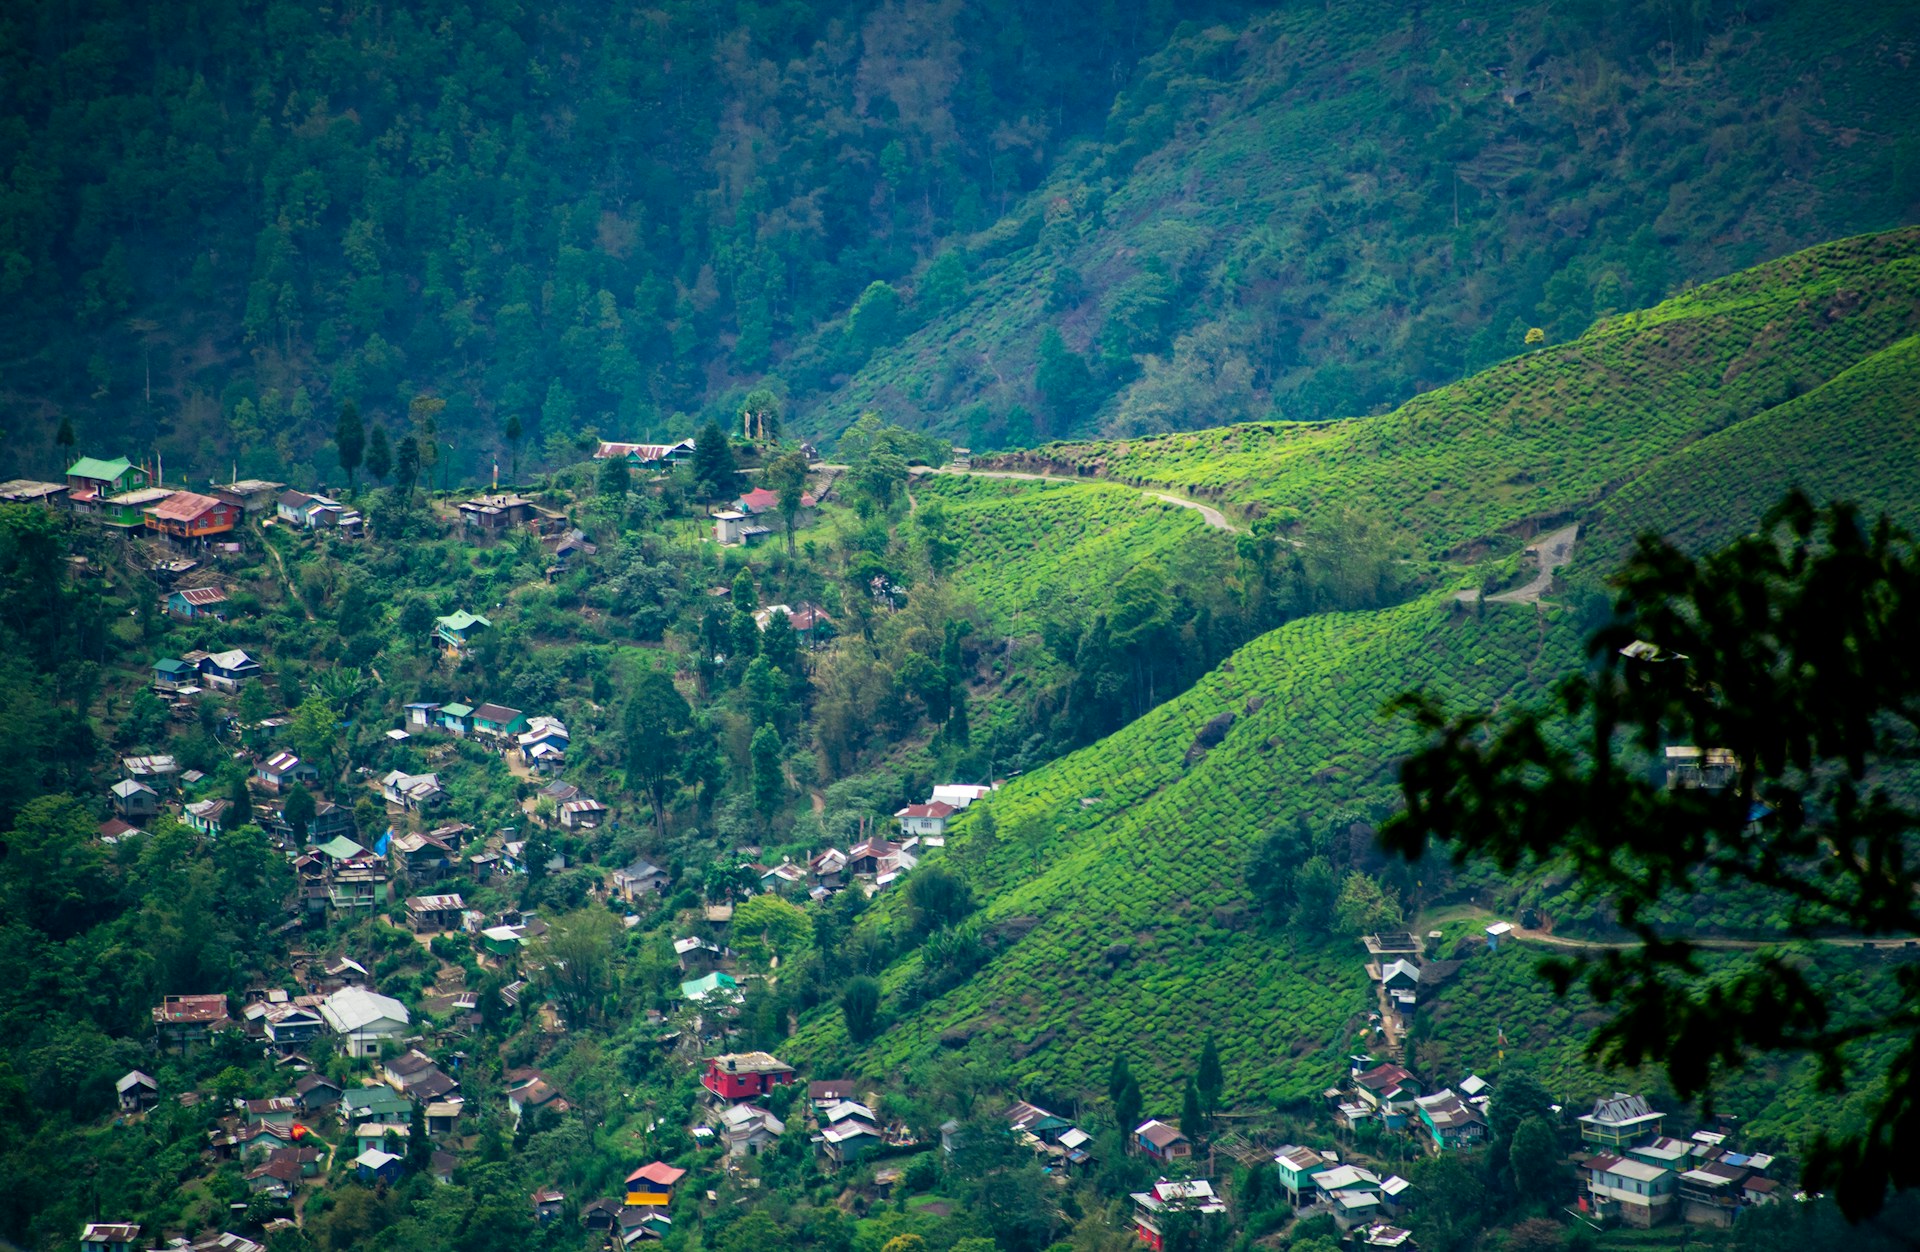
1156 865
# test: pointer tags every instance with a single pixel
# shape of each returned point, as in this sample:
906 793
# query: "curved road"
1212 516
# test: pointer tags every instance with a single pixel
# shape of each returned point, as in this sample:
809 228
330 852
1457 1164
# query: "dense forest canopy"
221 222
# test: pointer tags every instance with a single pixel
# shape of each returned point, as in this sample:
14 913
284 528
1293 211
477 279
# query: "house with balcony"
90 481
1632 1191
190 519
459 631
1620 1121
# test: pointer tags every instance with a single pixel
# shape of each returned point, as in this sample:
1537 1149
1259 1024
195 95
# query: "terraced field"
1548 435
1137 937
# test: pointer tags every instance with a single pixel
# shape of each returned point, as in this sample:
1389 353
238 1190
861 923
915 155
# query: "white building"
364 1019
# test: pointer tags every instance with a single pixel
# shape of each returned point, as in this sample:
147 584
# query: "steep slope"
1027 550
1329 208
1126 925
1856 436
1133 928
1547 435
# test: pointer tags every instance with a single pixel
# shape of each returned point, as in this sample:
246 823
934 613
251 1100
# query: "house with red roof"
926 819
652 1184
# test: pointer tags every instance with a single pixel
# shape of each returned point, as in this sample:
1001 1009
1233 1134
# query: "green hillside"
1134 928
1329 208
1855 436
1125 924
1549 434
1030 550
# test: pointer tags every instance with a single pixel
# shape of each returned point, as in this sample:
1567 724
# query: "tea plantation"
1128 928
1551 433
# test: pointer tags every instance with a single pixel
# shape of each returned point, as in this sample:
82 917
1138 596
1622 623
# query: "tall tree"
239 805
760 416
615 478
379 454
425 411
787 477
769 779
714 474
63 439
349 439
1209 1078
514 432
299 811
1123 1094
1791 650
658 719
1193 1117
860 1007
406 462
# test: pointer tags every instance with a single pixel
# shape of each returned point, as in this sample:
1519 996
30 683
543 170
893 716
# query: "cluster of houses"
125 1237
1316 1181
1638 1175
539 742
1390 1095
127 497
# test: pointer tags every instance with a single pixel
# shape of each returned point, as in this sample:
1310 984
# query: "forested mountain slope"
1117 916
1547 435
219 222
1331 207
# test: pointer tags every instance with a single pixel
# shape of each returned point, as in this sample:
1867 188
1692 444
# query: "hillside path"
1735 945
1212 516
1551 551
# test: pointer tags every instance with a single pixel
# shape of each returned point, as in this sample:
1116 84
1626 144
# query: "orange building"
185 515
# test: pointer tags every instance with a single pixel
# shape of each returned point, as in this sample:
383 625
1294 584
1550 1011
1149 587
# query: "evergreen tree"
745 598
379 454
239 805
615 478
1123 1093
714 474
515 432
63 438
658 720
1210 1079
1193 1118
406 462
349 439
769 780
419 1145
860 1006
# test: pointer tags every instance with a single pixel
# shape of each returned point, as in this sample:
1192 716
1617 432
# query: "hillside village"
394 1025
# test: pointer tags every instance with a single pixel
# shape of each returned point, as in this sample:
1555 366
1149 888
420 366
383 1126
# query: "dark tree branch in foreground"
1796 650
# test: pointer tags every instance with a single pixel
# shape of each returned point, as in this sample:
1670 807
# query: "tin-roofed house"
1620 1121
458 631
1632 1191
189 603
91 480
190 519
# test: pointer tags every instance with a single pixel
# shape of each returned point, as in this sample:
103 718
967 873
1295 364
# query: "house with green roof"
459 630
456 717
91 480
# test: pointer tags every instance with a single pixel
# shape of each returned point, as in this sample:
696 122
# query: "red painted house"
744 1075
